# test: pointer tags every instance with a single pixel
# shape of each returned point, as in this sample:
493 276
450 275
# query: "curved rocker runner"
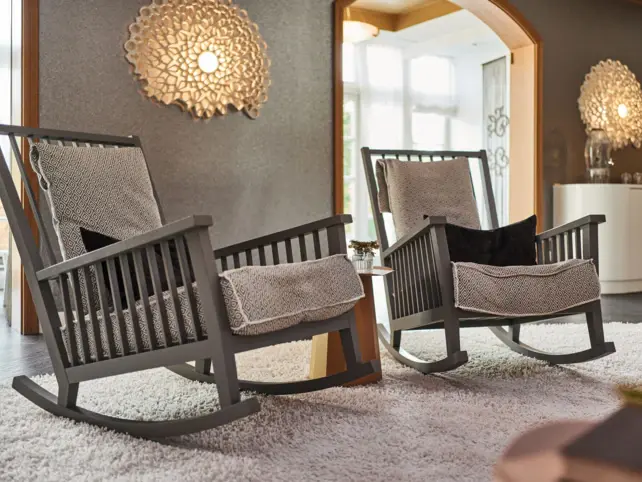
156 429
283 388
599 350
422 293
149 298
450 362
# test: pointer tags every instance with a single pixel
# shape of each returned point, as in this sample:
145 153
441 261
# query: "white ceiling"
452 35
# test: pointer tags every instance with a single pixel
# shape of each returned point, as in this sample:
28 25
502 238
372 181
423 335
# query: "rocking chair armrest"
417 232
569 227
171 230
280 236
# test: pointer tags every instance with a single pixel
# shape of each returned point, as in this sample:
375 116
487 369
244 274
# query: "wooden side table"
327 352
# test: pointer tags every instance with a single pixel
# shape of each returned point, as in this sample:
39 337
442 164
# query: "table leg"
327 352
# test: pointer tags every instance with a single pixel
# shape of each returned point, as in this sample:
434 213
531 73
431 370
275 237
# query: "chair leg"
395 339
204 367
452 329
595 326
454 358
227 380
350 344
68 394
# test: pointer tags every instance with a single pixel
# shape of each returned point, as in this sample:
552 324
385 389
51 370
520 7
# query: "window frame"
361 209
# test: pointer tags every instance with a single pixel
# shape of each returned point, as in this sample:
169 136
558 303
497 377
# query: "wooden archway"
526 91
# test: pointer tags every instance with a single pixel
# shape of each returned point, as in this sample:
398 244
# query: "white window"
429 132
350 159
389 102
382 70
432 76
349 63
432 85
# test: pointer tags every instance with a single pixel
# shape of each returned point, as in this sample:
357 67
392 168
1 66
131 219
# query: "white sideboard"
621 235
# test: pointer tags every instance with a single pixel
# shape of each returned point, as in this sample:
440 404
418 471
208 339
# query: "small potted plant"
364 253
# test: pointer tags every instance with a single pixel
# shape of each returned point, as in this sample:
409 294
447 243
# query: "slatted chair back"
75 350
478 163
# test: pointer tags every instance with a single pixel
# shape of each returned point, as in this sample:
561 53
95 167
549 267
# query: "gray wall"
252 176
578 34
256 176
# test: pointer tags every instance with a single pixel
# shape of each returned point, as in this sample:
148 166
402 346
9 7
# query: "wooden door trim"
337 108
30 118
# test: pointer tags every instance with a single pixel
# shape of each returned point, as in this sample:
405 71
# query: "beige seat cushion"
262 299
519 291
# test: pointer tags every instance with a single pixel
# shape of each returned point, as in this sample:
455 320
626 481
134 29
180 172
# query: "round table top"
376 271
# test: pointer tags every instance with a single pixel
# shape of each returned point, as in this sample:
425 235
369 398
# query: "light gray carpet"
409 427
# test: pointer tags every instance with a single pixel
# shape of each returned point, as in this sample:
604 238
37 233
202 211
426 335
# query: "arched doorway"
526 83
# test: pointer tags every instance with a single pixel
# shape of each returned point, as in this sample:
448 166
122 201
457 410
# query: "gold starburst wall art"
202 55
611 101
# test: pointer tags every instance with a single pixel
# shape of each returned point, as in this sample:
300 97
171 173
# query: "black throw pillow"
93 241
512 245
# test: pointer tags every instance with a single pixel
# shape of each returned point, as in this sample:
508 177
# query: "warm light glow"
622 111
611 101
208 62
205 56
355 32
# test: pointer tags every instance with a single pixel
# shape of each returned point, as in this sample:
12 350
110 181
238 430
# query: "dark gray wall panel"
578 34
252 176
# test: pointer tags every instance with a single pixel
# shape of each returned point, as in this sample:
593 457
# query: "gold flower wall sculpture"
611 100
202 55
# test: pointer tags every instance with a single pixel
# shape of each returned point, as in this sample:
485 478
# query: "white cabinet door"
620 257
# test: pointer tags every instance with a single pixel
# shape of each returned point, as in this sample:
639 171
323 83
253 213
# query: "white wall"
467 126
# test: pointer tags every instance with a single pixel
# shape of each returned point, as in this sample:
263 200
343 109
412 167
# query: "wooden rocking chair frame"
420 292
217 348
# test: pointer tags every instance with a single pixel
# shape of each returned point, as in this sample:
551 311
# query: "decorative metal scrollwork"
497 128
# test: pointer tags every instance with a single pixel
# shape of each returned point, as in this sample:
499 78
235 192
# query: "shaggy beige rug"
409 427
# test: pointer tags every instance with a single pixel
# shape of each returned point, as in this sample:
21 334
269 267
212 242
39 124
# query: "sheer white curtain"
376 78
404 101
381 87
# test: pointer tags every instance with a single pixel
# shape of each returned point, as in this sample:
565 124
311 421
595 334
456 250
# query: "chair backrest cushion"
104 190
412 190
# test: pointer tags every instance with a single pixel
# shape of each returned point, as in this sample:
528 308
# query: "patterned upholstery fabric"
518 291
262 299
103 190
130 340
412 190
107 191
259 299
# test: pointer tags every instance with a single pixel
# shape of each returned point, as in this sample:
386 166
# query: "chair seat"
522 291
259 300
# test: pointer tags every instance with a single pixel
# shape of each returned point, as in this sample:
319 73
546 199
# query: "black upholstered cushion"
93 241
512 245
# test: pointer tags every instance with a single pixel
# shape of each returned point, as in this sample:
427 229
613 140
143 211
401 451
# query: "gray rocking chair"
126 349
420 292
